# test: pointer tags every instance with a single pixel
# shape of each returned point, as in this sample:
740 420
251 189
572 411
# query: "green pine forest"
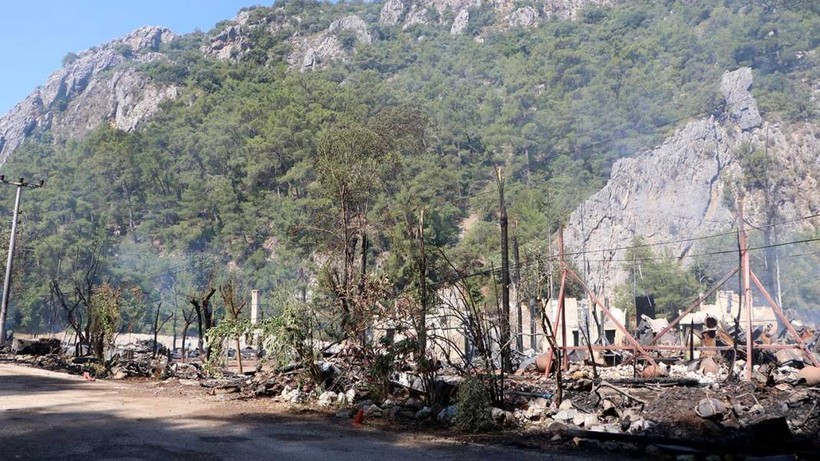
312 185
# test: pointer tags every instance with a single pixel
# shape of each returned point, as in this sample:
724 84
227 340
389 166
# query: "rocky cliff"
94 86
683 189
456 13
311 51
103 84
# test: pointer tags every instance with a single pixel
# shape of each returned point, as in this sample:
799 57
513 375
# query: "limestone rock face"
351 23
671 193
312 52
460 22
233 41
147 38
742 108
85 92
523 17
416 15
569 9
677 191
391 12
514 15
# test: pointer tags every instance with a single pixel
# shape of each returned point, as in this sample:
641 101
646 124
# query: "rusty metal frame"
779 312
747 275
635 344
695 304
561 315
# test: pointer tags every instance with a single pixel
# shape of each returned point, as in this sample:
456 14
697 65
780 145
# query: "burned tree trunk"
204 317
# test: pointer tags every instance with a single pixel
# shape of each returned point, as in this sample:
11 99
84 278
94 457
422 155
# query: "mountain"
294 147
83 93
683 190
94 86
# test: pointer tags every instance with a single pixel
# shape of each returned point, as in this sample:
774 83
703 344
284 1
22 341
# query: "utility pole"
519 328
4 307
745 275
506 362
562 306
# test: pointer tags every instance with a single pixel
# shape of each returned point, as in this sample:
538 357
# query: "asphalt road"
54 416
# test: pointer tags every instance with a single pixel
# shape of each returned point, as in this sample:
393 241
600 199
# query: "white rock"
586 420
327 399
564 415
565 405
500 416
460 22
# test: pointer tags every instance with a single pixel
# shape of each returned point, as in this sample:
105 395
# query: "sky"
35 35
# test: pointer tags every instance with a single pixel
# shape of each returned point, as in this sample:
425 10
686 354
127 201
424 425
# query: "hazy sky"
36 34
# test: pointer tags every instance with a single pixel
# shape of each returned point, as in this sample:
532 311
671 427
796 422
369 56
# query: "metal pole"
779 312
615 321
747 290
4 307
695 304
561 302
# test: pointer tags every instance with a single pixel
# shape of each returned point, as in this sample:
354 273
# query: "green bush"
473 410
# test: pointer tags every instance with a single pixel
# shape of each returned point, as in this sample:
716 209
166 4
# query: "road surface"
55 416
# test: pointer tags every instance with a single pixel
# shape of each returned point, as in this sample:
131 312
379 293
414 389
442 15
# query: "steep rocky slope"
93 86
233 40
456 13
103 84
684 188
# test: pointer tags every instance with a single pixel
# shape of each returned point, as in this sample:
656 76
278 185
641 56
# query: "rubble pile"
43 346
184 370
54 361
139 359
704 404
778 408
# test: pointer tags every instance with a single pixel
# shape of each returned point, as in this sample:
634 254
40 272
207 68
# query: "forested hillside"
313 181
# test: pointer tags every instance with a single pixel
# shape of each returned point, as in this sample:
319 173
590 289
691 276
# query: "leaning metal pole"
4 307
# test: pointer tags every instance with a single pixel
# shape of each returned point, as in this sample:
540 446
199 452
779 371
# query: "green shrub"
473 410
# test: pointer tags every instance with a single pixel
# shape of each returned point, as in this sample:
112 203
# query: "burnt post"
506 362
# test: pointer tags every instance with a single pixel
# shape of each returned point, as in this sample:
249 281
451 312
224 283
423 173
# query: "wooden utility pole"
506 362
4 305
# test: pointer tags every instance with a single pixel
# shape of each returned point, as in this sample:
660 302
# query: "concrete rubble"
703 404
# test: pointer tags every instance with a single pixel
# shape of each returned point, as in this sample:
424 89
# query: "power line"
494 271
690 239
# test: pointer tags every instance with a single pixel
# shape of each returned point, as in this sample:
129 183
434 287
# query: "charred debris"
723 378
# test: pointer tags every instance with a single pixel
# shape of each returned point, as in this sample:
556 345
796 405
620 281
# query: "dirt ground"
55 416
